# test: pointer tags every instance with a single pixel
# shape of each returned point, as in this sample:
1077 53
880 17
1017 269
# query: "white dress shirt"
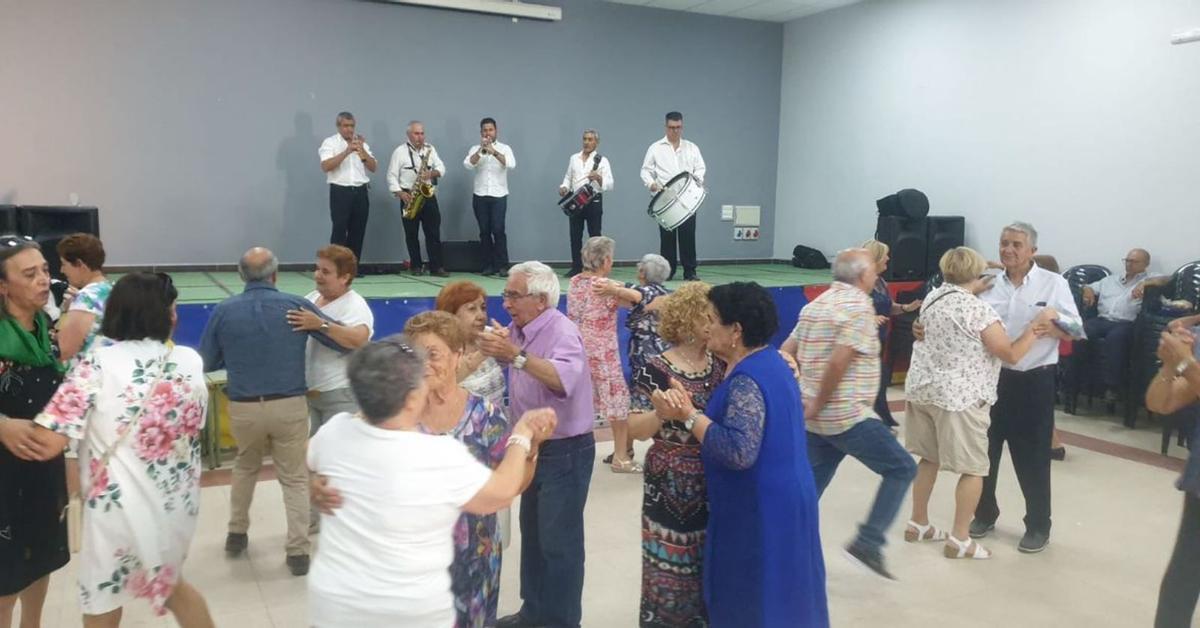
351 172
1018 305
664 161
491 178
1114 296
578 169
402 169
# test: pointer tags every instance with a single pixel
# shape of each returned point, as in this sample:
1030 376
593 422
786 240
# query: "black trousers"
490 212
686 234
592 213
430 219
1181 582
349 207
1024 417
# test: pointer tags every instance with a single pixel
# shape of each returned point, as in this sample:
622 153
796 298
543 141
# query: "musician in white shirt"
1023 414
402 174
491 161
665 159
586 167
345 159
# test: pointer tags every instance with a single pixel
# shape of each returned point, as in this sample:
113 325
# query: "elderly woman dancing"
596 316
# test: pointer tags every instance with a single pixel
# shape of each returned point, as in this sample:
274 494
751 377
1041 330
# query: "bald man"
1119 299
249 336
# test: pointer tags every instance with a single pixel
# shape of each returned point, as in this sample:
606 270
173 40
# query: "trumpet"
422 190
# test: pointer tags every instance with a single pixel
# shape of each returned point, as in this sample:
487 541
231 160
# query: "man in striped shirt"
837 347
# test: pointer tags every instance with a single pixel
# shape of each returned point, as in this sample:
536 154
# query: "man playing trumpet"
345 160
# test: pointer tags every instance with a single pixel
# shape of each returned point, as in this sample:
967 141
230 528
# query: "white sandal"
955 548
916 532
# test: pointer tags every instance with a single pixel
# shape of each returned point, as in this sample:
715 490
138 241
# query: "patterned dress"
475 572
674 506
141 505
33 538
91 300
644 340
596 317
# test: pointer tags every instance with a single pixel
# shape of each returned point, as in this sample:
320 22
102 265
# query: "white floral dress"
140 508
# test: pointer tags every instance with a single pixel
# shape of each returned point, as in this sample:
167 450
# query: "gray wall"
1076 115
195 125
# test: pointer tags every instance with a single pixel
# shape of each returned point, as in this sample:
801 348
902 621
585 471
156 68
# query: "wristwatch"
519 361
690 422
325 326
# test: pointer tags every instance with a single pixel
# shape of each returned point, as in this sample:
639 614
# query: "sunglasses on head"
14 240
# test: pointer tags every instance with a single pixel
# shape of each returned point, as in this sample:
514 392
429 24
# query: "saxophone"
421 189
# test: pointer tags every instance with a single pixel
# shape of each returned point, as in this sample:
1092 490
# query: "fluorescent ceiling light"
496 7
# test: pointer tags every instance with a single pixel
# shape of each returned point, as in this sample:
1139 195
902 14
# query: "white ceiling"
767 10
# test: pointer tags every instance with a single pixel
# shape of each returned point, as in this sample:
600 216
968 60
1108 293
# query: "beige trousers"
281 427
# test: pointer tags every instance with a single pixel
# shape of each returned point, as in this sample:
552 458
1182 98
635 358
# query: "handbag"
73 513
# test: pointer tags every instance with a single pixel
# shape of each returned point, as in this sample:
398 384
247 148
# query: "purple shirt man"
547 367
553 337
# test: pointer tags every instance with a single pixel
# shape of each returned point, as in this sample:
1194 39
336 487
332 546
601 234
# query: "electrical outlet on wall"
727 212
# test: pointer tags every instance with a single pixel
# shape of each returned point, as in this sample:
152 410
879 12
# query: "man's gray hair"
592 132
539 279
850 264
258 264
382 374
411 123
595 250
344 115
1023 227
655 267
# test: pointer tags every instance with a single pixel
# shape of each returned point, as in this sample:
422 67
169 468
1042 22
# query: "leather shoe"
298 564
235 543
516 620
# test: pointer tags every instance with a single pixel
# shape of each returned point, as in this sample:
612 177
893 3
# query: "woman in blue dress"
762 558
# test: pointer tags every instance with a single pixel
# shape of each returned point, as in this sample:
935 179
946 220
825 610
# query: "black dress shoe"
298 564
235 543
1033 542
440 273
516 620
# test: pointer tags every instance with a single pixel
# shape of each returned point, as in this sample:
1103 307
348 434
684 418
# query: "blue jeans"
552 532
873 445
490 212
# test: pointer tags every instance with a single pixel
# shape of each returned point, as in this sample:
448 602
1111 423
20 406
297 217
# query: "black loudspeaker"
48 225
945 233
463 257
8 219
907 239
907 203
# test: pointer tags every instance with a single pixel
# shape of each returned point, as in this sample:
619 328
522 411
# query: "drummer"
665 159
587 167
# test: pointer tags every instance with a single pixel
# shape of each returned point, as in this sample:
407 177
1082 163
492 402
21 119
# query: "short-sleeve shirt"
951 368
385 558
325 368
91 300
842 315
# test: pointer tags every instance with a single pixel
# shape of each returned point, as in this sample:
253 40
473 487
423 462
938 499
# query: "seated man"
1119 299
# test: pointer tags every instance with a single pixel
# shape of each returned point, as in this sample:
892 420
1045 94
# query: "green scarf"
22 347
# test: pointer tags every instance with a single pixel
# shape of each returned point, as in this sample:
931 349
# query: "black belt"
261 398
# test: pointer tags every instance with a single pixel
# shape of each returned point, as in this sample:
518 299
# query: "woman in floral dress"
674 504
137 406
596 315
482 427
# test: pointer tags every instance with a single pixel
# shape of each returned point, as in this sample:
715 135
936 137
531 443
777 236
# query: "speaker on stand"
902 225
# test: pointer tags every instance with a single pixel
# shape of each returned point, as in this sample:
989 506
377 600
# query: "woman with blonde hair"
885 309
951 387
674 502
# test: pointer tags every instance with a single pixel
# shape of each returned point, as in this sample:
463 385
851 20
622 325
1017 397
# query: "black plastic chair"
1078 377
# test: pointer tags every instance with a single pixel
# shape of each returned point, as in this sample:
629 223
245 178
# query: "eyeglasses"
15 240
510 295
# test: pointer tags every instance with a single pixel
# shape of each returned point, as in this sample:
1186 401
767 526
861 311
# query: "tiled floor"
1114 525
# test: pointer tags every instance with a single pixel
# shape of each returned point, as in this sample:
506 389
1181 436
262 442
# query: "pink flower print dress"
140 506
596 317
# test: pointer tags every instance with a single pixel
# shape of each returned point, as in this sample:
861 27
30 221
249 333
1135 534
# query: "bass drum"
677 201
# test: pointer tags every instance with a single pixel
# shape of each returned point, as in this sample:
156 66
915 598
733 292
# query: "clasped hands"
672 404
494 343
